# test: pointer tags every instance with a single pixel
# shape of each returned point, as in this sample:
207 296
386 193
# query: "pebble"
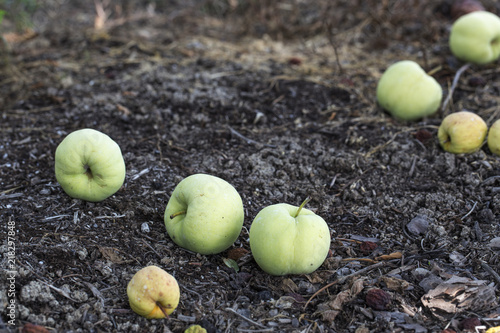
145 227
418 225
495 244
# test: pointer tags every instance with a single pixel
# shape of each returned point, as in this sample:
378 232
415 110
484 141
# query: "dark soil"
256 96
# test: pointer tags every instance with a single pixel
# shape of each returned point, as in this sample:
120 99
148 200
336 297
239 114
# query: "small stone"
421 273
265 295
495 244
418 225
145 227
430 282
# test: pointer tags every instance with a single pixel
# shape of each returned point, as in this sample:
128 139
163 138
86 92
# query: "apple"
494 138
407 92
286 239
89 165
153 293
195 329
475 37
462 132
204 214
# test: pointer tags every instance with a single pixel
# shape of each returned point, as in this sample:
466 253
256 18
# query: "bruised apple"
462 132
153 293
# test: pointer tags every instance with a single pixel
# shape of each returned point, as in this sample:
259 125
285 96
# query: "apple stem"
182 212
162 310
302 206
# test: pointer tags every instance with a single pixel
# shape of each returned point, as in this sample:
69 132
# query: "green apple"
286 239
89 165
494 138
204 214
407 92
475 37
153 293
462 132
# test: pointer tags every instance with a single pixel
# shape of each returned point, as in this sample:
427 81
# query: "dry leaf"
329 315
394 255
113 255
395 284
236 253
459 294
289 286
32 328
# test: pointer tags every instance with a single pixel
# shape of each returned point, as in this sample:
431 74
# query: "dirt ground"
277 98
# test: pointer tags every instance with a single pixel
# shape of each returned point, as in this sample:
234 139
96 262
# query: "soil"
279 100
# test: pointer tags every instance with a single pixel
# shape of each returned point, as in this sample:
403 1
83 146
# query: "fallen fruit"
153 293
286 239
475 37
462 132
195 329
89 165
494 138
204 214
407 92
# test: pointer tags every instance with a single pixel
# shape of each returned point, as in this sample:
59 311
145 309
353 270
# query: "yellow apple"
195 329
494 138
462 132
475 37
204 214
153 293
89 165
286 239
407 92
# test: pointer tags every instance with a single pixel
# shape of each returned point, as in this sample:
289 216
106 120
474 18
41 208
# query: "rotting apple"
153 293
285 239
475 37
494 138
89 165
462 132
407 92
204 214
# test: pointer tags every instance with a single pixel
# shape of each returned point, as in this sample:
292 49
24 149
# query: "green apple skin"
494 138
212 216
475 37
407 92
89 165
283 244
462 132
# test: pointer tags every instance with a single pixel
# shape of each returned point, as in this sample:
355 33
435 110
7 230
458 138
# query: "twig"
248 140
247 319
344 278
376 149
490 270
470 211
454 85
146 243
